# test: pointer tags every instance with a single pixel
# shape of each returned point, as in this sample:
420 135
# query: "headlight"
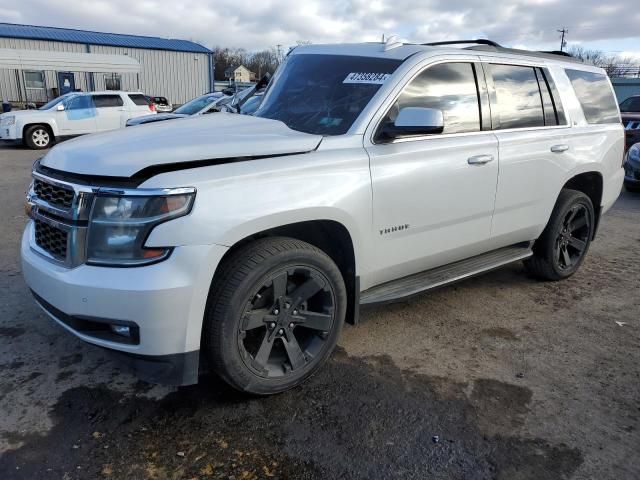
122 221
8 120
634 152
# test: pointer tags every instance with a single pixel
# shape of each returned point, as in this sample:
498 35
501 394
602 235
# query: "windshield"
54 102
324 94
630 105
194 106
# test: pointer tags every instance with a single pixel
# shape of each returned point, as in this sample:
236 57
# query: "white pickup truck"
73 114
370 172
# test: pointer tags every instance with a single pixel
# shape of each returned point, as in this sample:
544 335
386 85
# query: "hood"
24 113
122 153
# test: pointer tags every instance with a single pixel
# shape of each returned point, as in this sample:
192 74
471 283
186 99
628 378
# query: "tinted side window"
79 102
139 99
106 101
518 97
450 87
595 95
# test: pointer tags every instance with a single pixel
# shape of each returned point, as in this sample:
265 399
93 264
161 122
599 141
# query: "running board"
437 277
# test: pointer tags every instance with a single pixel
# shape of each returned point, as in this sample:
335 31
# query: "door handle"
480 159
559 148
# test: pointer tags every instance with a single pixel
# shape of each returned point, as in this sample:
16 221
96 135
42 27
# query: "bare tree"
614 65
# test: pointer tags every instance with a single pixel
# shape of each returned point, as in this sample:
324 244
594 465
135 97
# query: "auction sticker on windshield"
370 78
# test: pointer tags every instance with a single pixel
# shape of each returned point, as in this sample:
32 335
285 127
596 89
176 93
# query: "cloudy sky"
610 25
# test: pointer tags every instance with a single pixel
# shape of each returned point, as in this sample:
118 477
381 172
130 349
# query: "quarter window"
106 101
595 95
519 103
449 87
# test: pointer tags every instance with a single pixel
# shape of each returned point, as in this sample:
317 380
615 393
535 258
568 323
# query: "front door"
433 196
66 82
78 116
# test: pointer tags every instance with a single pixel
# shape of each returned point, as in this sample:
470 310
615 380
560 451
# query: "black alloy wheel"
287 321
573 237
564 243
276 308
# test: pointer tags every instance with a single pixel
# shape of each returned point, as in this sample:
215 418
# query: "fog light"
121 330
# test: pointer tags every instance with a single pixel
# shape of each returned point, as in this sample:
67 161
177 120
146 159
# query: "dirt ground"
497 377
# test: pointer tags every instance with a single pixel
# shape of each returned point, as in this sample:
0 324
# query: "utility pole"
563 44
279 46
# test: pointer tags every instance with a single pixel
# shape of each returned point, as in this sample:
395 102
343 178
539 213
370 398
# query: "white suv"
73 114
369 173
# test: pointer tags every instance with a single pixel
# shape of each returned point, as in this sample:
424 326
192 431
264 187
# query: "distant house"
239 74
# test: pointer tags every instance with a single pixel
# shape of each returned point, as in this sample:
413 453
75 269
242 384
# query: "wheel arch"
591 184
330 236
47 125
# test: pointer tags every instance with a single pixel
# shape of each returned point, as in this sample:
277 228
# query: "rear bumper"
612 189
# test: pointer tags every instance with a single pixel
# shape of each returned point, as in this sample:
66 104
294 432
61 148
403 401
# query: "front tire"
38 137
274 315
565 241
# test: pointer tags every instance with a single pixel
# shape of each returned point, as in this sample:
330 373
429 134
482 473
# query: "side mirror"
60 107
414 121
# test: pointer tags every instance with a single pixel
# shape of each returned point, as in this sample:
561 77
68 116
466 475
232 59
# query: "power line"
563 44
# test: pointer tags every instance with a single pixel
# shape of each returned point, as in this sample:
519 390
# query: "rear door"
111 113
138 105
535 148
433 195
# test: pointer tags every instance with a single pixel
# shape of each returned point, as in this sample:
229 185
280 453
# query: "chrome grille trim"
71 218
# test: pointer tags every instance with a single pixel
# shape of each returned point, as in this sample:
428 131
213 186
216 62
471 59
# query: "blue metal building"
173 68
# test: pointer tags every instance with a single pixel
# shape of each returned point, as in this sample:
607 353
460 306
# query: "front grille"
53 194
51 239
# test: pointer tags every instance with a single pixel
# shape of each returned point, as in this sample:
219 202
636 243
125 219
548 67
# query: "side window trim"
537 72
474 67
493 98
561 116
483 97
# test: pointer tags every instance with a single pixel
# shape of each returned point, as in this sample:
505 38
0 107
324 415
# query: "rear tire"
564 243
38 137
274 315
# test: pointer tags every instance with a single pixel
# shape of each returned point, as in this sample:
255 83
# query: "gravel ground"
497 377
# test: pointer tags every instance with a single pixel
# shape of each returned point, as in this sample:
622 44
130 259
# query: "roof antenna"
390 42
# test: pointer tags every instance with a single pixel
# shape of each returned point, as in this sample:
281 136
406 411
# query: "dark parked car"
630 111
632 169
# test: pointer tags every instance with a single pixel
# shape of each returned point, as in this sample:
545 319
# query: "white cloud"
255 25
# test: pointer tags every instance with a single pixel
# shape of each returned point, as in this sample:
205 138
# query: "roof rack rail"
482 44
557 52
479 41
